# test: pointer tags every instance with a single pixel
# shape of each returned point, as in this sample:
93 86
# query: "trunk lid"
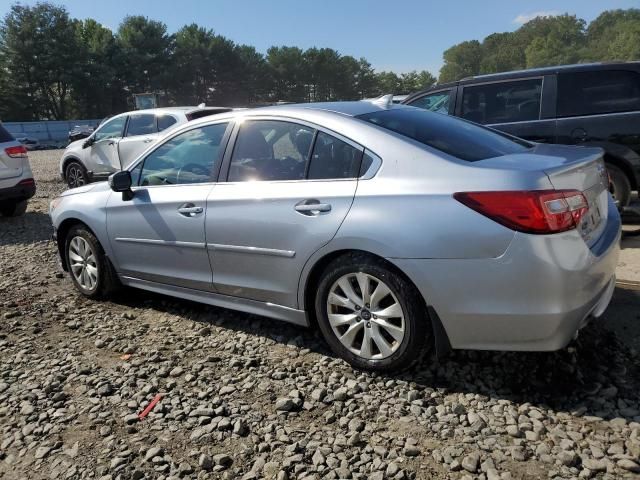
568 168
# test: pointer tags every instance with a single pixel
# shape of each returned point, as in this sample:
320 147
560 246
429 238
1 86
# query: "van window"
502 102
597 92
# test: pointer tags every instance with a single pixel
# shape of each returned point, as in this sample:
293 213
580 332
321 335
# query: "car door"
103 152
159 235
512 106
142 130
289 187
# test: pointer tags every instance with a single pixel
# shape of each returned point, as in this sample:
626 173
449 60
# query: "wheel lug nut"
367 305
375 317
358 307
368 324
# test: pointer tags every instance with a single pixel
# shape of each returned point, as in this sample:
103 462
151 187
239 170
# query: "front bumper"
535 297
18 192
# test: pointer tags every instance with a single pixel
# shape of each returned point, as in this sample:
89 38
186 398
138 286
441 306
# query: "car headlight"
54 203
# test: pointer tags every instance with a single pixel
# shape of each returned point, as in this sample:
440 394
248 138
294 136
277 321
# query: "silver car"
17 185
396 230
120 139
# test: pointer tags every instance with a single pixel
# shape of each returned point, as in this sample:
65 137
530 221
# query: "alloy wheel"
366 316
83 263
75 176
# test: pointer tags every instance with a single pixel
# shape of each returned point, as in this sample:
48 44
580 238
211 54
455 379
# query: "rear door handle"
312 207
190 210
147 140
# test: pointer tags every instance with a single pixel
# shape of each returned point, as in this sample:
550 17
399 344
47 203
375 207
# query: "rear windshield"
461 139
4 135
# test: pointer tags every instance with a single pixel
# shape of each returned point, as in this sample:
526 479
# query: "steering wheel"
194 168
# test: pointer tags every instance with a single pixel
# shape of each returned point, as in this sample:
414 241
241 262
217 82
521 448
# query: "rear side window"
449 135
5 136
165 121
502 102
333 158
597 92
434 102
141 124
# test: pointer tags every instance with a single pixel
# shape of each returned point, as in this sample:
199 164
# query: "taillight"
18 151
27 182
533 211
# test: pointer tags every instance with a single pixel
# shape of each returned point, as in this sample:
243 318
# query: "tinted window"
165 121
450 135
434 102
333 158
270 150
502 102
588 93
141 124
5 136
190 157
111 128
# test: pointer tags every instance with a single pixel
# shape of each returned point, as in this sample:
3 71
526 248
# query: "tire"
402 350
101 281
75 174
13 208
620 186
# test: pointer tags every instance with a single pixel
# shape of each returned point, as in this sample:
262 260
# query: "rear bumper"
18 192
534 297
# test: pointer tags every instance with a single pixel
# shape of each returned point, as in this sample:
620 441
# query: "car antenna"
383 100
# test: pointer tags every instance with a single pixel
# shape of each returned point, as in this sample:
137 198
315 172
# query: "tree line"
546 41
57 67
53 66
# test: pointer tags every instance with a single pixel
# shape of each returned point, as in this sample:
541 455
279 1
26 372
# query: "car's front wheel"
13 208
370 315
91 272
76 175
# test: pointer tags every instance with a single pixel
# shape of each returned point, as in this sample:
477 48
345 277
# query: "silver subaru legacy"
394 229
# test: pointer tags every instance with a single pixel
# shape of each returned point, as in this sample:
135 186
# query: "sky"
398 35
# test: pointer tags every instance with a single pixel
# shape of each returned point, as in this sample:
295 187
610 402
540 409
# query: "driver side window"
111 129
191 157
434 102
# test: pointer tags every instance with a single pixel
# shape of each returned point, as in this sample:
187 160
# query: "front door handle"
190 210
312 207
147 140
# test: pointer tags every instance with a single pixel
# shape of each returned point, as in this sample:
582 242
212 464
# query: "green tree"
558 40
145 52
461 60
414 81
613 35
288 68
39 47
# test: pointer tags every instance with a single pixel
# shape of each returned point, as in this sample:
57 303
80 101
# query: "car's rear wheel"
90 269
370 315
619 186
76 175
13 208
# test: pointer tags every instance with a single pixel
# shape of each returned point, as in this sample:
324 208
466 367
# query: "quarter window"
333 158
141 124
502 102
190 157
111 129
605 91
270 150
434 102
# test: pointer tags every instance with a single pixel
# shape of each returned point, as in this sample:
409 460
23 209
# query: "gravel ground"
244 397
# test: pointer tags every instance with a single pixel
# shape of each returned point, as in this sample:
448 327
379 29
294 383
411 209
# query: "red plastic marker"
153 403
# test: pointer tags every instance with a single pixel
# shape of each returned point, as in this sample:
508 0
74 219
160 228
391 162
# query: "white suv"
17 185
120 139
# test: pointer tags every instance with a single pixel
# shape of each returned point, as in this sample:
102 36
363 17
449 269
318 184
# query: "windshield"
461 139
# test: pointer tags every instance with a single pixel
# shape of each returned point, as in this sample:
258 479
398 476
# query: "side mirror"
88 142
121 182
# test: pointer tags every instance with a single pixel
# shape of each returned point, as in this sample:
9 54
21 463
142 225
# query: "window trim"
509 80
587 115
226 163
224 143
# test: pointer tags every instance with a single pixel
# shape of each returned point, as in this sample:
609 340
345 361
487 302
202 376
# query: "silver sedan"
395 230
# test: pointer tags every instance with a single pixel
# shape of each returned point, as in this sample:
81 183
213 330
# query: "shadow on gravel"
31 227
591 377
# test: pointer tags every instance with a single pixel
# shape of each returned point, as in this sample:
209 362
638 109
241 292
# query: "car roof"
527 73
350 109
